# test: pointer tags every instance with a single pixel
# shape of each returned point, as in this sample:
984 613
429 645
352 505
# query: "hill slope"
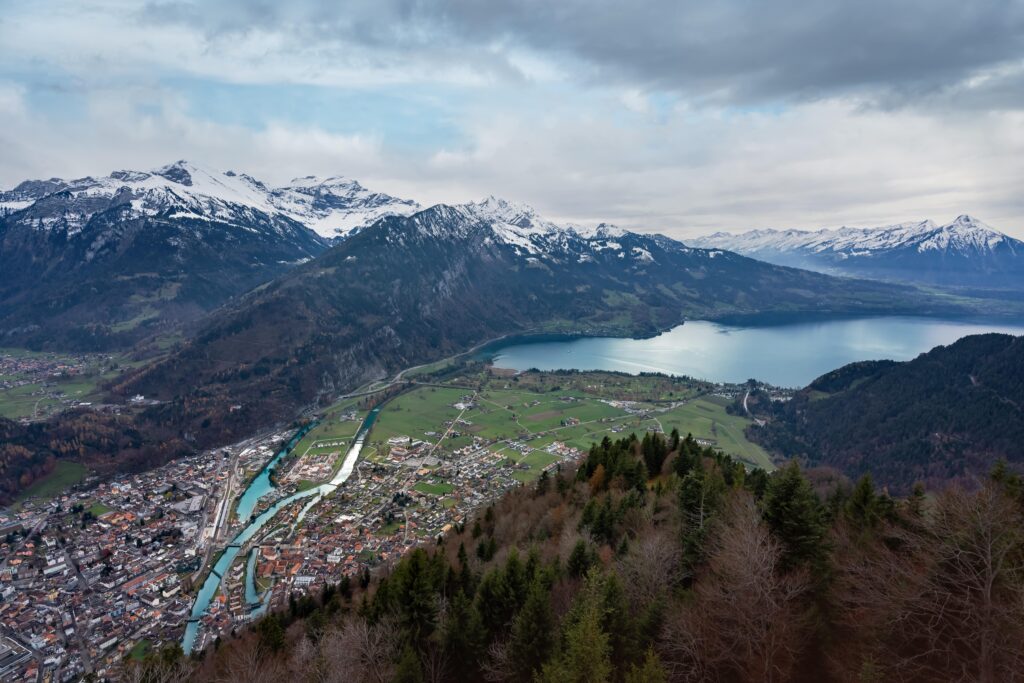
965 252
412 290
949 413
697 571
103 262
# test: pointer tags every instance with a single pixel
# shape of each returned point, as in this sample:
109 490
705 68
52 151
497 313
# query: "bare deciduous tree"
651 568
498 666
178 671
358 651
435 664
249 664
747 617
941 600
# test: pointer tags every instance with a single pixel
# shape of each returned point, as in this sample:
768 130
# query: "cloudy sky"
669 115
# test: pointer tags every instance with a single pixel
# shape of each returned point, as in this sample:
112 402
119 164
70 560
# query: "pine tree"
618 621
585 655
579 559
688 457
464 637
270 633
863 507
700 496
543 483
649 671
409 669
794 516
533 632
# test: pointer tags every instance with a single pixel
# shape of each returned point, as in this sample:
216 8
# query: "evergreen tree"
409 669
648 671
1008 480
863 507
270 634
756 481
579 559
689 456
618 621
585 655
464 637
700 496
543 483
794 516
533 632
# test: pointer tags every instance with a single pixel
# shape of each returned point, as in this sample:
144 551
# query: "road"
760 422
408 480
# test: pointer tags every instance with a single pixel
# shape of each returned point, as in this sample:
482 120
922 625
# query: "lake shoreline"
781 349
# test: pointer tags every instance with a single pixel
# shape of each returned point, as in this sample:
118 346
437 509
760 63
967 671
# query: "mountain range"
413 289
102 262
963 253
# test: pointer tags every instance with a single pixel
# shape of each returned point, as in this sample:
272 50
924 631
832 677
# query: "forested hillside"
104 441
950 413
658 560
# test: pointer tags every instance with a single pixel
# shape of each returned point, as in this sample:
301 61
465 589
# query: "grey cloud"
734 51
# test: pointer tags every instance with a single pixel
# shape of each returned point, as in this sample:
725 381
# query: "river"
790 355
247 503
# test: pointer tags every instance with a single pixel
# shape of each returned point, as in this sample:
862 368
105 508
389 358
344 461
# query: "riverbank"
260 487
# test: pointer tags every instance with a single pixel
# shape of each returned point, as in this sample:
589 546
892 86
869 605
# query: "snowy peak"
965 234
963 251
600 231
494 222
336 206
496 210
331 207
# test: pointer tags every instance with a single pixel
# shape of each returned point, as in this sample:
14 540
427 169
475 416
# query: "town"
109 569
35 385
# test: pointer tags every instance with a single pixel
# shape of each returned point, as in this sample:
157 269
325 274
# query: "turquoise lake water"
788 355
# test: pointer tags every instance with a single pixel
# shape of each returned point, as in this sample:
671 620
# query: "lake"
788 355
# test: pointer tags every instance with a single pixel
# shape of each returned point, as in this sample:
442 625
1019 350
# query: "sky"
674 116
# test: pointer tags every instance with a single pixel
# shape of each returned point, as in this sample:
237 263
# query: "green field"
45 396
330 429
64 475
434 488
98 509
504 410
139 650
422 410
706 418
22 401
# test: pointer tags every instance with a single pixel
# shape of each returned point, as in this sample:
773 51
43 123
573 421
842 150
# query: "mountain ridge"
101 263
963 252
410 290
948 414
332 207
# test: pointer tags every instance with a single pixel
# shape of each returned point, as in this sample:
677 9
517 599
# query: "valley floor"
120 562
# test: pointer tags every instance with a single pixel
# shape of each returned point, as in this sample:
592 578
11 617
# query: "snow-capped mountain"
411 289
964 252
334 207
519 227
102 262
331 207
